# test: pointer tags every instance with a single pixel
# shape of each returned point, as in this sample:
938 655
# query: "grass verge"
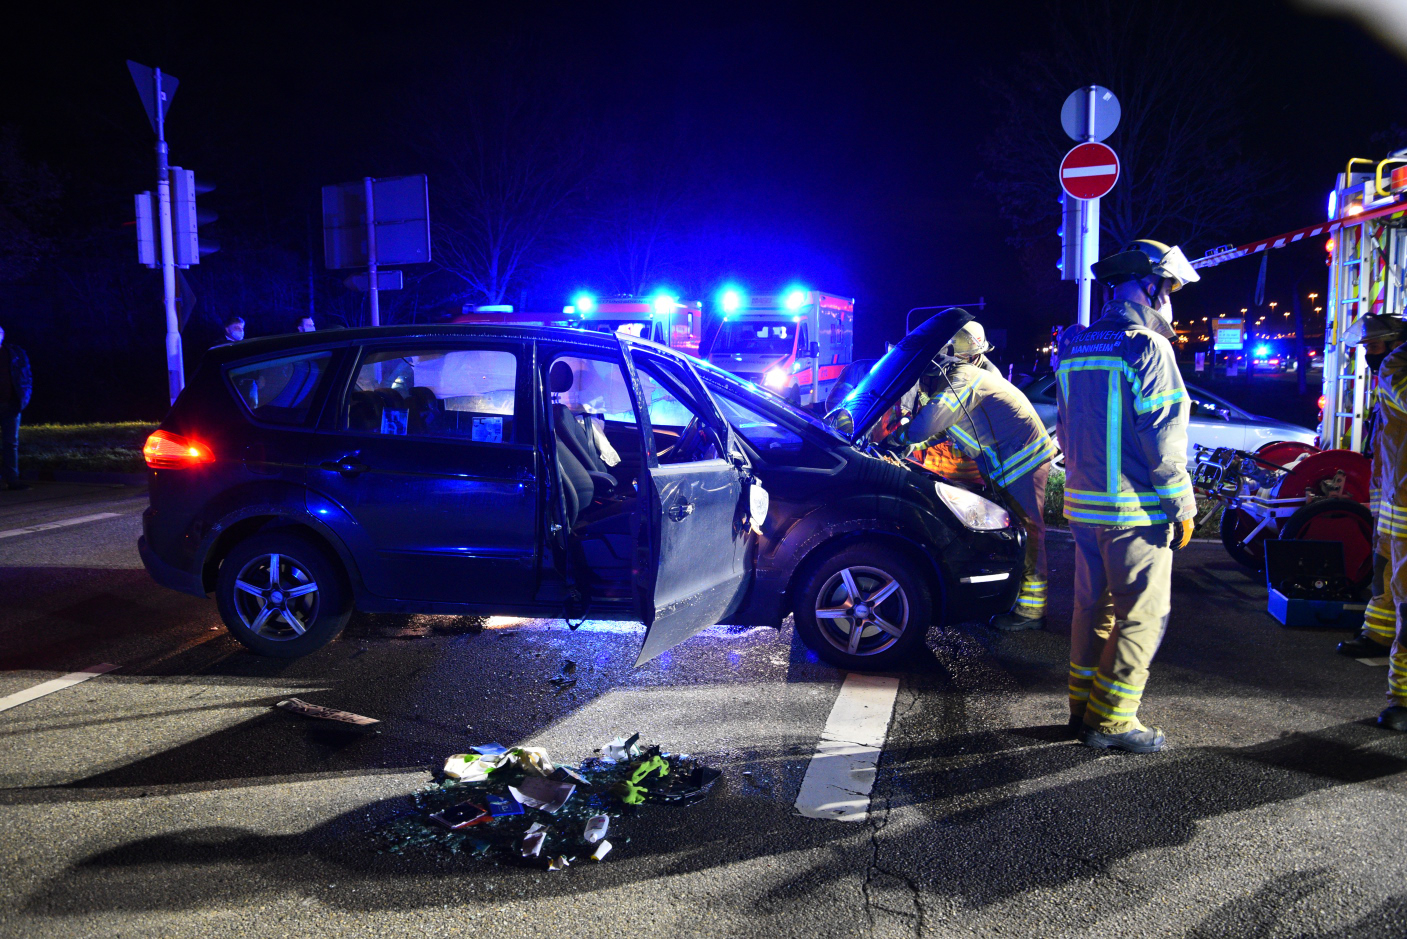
83 448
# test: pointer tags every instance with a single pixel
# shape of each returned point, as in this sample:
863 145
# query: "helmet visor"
1176 268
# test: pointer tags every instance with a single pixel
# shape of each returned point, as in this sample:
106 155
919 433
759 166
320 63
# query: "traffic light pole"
375 300
175 368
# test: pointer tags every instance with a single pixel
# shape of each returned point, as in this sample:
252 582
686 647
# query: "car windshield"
748 391
769 337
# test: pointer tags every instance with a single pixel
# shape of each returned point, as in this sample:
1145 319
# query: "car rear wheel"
281 595
864 607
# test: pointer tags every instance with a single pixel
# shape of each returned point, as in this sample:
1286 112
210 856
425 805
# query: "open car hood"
896 373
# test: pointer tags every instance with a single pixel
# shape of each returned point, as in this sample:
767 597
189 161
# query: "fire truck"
661 318
796 343
1286 490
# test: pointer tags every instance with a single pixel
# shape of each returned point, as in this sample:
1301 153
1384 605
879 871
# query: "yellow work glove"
1182 533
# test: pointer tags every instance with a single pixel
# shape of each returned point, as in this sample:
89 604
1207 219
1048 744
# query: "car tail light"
165 450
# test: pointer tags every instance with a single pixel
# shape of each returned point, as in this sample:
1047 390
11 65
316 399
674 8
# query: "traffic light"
148 241
1071 238
186 218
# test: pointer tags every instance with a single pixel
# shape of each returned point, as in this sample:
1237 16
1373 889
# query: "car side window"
1208 410
280 391
467 394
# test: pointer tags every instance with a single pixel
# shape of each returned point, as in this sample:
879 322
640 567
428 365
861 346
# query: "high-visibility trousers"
1126 572
1397 587
1025 497
1380 616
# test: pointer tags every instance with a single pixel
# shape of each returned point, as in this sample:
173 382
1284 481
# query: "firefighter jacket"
988 417
1390 445
1123 421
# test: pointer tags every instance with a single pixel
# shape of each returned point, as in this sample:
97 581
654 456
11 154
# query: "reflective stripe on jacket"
1123 421
1390 445
989 418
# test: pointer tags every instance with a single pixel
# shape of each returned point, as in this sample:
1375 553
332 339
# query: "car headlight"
972 510
775 378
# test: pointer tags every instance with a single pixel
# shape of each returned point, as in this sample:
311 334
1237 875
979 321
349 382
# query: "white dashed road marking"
55 684
842 773
61 523
1378 662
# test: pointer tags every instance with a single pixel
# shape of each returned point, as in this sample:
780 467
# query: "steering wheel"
690 441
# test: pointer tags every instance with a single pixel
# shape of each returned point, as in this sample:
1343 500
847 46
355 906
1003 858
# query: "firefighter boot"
1138 740
1012 622
1363 647
1393 718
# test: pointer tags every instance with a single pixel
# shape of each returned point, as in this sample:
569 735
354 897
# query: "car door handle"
681 510
347 466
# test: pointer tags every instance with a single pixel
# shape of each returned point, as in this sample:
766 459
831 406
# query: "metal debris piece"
559 863
303 708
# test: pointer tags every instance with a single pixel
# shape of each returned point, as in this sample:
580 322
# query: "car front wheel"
281 595
864 607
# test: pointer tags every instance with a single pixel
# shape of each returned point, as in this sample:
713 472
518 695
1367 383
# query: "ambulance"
794 344
660 318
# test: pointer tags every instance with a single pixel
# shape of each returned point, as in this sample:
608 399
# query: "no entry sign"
1089 171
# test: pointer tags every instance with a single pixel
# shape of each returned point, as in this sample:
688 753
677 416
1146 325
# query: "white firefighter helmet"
1146 258
1378 327
967 343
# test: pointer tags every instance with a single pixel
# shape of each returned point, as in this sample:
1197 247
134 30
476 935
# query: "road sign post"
1089 172
373 222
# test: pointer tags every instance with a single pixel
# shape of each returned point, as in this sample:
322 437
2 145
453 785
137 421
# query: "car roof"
335 338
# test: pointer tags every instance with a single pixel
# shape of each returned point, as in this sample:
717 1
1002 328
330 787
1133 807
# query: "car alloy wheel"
862 610
276 597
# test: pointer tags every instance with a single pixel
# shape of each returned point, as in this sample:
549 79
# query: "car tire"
281 616
871 568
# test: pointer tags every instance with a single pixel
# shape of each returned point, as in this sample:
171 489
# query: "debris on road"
595 829
512 805
317 711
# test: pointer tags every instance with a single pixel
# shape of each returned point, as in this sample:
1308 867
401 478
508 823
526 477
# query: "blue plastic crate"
1320 614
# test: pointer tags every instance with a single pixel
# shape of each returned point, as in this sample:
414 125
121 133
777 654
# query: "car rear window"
464 393
281 390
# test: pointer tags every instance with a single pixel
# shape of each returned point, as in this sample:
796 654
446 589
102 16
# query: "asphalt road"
168 798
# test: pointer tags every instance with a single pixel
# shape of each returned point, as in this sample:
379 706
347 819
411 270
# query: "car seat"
572 437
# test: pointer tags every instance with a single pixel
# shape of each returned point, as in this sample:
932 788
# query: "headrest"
560 377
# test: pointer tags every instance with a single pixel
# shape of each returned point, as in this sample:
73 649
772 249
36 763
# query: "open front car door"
691 560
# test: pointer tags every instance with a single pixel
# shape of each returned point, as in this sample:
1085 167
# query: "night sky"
837 146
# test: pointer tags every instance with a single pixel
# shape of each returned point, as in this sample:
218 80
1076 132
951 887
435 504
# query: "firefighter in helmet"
965 397
1122 423
1384 335
1378 335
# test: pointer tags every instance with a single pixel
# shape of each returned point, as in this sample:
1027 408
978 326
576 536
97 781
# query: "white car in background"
1215 422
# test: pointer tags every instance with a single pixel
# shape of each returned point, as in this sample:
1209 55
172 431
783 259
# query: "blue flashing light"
1333 205
1262 350
585 304
731 300
663 304
796 299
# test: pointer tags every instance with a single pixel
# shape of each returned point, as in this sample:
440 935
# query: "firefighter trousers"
1380 616
1126 571
1397 589
1025 497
